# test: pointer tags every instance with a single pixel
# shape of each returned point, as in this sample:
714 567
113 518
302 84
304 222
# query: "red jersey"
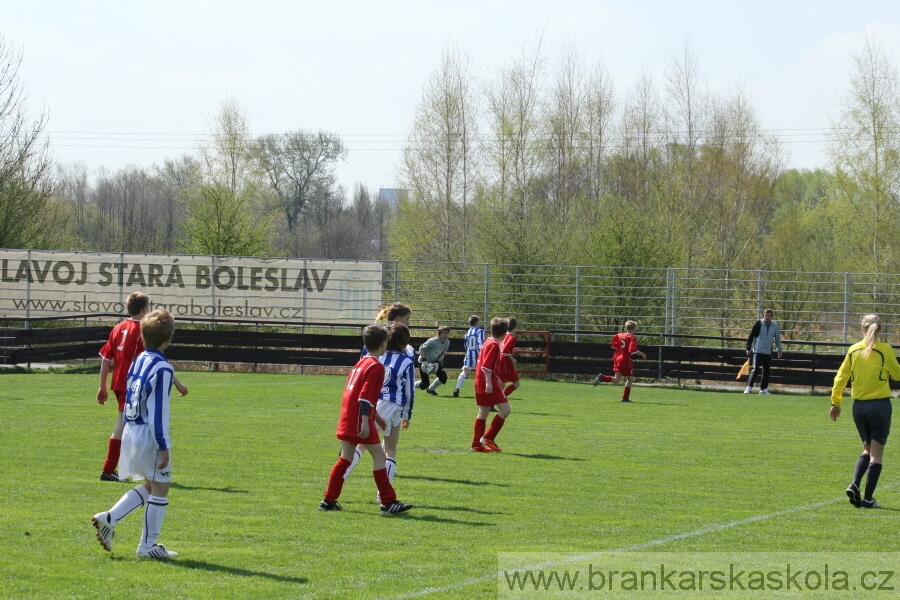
489 358
364 383
123 345
624 345
507 368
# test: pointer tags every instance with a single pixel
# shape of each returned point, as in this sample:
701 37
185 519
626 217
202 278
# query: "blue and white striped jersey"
399 379
149 387
473 340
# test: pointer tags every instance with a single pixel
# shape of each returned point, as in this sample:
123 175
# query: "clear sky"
135 82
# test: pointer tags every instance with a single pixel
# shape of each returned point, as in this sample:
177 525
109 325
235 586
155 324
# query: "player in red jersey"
489 390
357 425
508 373
123 345
625 345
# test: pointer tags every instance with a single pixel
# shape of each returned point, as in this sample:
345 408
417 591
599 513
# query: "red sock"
385 489
112 455
496 425
606 378
509 390
626 393
336 479
480 425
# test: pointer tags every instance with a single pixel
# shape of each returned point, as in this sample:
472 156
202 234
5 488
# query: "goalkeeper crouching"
432 352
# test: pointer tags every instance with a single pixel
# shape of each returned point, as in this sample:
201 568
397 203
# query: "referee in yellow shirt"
869 366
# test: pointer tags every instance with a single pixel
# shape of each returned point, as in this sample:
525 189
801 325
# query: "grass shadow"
444 520
533 414
459 481
213 568
225 490
460 509
546 457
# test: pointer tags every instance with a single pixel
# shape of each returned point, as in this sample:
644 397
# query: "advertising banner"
38 284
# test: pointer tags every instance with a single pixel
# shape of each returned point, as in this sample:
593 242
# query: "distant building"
391 196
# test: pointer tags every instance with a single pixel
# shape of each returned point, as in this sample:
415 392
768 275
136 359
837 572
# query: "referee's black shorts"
873 419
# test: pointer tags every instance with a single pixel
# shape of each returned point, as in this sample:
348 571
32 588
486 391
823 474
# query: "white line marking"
632 548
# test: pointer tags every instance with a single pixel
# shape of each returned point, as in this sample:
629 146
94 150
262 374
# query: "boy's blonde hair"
157 328
136 302
630 325
871 325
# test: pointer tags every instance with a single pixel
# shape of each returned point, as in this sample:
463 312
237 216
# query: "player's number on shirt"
124 335
472 343
133 405
351 380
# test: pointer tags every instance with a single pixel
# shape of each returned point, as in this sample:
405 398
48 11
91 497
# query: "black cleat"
597 379
326 505
493 409
456 393
395 507
104 476
870 503
432 392
626 400
853 494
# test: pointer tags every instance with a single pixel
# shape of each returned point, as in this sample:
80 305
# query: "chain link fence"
585 301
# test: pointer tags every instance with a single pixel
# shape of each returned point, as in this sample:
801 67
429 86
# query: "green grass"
580 472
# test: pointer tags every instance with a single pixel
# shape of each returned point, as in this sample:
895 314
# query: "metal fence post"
846 306
577 300
487 285
759 292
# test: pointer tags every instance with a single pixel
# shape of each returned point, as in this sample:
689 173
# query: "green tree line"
540 162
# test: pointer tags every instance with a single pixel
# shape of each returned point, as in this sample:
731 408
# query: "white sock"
153 518
460 379
391 465
434 385
133 499
357 454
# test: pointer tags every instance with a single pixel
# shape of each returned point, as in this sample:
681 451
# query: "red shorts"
625 367
121 397
507 372
372 439
496 397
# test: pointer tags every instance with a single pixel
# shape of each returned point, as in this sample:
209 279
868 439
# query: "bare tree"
866 158
28 216
440 164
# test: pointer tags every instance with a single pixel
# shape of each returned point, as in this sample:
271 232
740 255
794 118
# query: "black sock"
862 463
872 479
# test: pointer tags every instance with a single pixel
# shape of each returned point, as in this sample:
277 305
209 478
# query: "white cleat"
748 389
155 551
105 530
764 392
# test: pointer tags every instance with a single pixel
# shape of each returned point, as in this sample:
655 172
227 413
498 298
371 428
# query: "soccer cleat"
597 379
481 449
490 445
105 530
456 393
326 505
748 389
155 551
853 494
626 400
493 409
764 392
870 503
104 476
395 507
432 392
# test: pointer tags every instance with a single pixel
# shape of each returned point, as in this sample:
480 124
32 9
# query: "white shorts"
390 412
140 455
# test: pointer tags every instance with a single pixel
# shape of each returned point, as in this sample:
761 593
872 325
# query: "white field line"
635 547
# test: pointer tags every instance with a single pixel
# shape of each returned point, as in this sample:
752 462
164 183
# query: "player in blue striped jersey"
396 313
146 442
396 401
473 340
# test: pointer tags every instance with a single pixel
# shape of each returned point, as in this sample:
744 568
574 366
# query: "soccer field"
677 471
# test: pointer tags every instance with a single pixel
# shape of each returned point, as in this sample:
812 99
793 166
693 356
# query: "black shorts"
873 420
